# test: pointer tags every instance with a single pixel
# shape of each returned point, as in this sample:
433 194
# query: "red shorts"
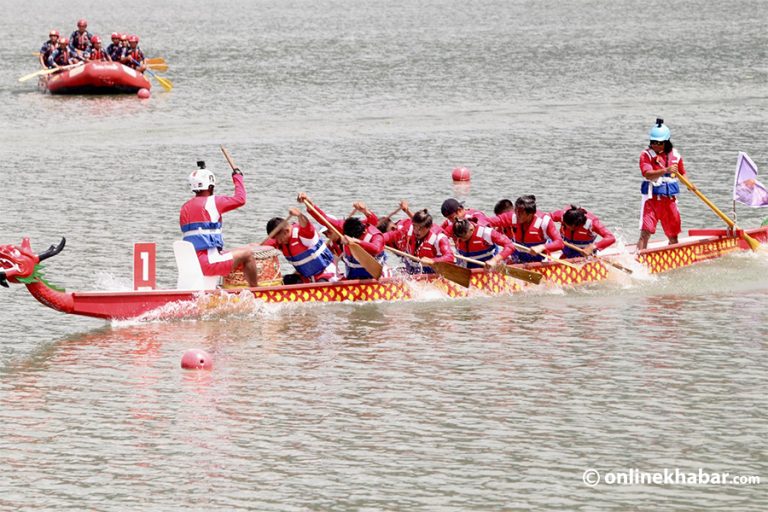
215 263
661 209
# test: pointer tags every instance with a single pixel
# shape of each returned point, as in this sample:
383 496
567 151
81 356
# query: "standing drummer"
201 223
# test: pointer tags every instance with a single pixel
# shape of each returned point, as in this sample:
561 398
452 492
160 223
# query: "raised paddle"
368 262
48 71
753 244
604 260
450 271
277 229
228 157
528 250
517 273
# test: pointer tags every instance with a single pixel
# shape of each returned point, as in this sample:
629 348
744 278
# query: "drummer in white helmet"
201 225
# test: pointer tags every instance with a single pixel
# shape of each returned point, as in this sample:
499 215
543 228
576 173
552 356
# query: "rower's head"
422 223
202 182
452 209
574 217
133 40
386 224
659 137
354 227
115 37
463 229
284 235
525 208
96 41
53 35
503 206
124 39
82 24
63 42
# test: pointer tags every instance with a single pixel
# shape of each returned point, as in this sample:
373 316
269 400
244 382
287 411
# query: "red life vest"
536 233
480 245
98 55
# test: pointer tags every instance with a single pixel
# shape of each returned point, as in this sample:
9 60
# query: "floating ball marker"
461 174
143 93
196 359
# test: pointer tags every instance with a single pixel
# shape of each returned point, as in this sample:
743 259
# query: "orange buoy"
196 359
143 93
460 174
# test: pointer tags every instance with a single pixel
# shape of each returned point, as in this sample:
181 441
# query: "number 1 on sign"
144 267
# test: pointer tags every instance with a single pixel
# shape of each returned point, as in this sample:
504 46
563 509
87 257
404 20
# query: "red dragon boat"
95 78
19 264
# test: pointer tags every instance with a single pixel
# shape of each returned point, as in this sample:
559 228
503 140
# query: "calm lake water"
435 404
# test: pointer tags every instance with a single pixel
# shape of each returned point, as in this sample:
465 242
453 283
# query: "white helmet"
201 179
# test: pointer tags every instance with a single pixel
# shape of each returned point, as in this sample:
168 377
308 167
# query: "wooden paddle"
450 271
517 273
48 71
277 229
605 260
753 244
528 250
155 60
228 157
368 262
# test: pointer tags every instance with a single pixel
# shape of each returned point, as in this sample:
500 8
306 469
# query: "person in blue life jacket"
63 56
115 49
48 48
80 39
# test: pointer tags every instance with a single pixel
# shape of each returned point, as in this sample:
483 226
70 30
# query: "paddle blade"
33 75
368 262
753 244
158 67
155 60
167 84
455 273
522 274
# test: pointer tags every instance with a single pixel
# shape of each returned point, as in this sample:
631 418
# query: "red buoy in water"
143 93
460 174
196 359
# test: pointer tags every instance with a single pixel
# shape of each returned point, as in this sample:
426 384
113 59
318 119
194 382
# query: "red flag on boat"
746 188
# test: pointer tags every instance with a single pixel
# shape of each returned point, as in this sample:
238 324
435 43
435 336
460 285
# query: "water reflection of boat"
95 78
20 265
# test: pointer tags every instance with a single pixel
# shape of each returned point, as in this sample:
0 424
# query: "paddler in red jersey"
201 225
304 249
531 228
454 210
660 163
97 52
421 238
369 238
581 228
504 206
480 243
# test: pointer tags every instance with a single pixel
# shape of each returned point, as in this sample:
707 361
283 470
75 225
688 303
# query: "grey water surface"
435 404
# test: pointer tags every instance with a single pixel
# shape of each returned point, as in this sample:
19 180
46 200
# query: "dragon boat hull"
700 245
95 78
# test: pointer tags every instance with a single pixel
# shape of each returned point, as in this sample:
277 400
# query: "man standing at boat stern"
201 225
660 163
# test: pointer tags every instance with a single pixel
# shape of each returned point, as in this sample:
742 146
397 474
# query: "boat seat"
190 274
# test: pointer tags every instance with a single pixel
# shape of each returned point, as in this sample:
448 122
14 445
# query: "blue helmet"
659 131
